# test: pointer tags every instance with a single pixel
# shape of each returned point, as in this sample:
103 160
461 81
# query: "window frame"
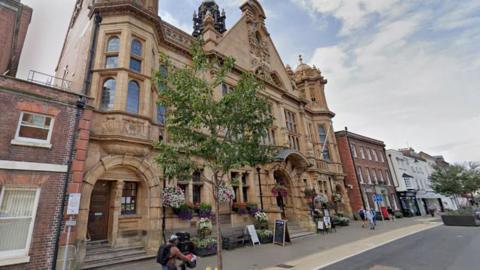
354 150
138 97
374 155
164 115
369 154
18 140
136 57
362 152
382 159
360 175
102 108
135 205
21 254
109 53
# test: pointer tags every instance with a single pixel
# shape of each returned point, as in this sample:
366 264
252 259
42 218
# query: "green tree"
456 179
221 133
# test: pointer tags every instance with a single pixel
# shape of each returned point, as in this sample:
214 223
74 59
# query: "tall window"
162 86
113 47
292 130
326 153
34 128
129 198
388 178
225 89
245 187
374 153
136 56
374 174
362 152
359 174
133 97
322 134
368 154
18 208
354 150
161 114
380 175
197 186
380 154
369 177
108 95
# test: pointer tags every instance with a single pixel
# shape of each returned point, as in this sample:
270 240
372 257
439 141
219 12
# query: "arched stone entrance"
124 192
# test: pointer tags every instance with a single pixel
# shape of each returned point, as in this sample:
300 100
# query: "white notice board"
73 203
253 234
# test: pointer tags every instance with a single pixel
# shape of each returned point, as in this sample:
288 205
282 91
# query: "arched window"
108 94
136 56
163 75
113 44
133 97
136 47
161 114
111 58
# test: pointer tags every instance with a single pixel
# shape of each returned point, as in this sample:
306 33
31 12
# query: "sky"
403 71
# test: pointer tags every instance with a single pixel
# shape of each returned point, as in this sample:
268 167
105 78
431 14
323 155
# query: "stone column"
115 210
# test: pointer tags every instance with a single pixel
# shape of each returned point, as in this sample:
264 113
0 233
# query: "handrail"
49 80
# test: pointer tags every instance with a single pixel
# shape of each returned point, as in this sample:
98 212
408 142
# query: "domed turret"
208 6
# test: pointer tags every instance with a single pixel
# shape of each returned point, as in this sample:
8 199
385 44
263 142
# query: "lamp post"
260 188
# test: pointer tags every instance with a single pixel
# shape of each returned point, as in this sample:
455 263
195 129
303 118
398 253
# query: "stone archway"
151 189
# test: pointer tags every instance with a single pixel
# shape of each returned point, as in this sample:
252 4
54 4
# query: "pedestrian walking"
361 213
371 219
391 214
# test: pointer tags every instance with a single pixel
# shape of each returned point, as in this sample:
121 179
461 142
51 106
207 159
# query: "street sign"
73 204
377 198
70 222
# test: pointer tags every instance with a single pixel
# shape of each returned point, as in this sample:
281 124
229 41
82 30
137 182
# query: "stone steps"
102 256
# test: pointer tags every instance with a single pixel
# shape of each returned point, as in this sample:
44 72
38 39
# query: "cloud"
168 17
408 76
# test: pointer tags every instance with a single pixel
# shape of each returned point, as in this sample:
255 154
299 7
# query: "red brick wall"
350 179
8 18
7 21
16 96
42 245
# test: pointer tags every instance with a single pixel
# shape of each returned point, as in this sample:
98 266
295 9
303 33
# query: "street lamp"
260 188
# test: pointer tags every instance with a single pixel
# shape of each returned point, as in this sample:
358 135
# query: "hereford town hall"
111 51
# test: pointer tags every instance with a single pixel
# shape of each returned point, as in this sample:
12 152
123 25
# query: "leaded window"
133 97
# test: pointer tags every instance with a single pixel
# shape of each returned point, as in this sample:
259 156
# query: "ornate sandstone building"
111 52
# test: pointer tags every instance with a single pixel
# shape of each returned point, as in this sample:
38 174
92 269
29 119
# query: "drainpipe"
355 169
81 103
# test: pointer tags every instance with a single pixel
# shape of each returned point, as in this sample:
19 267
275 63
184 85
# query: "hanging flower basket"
173 197
337 197
321 199
184 212
280 190
204 210
225 193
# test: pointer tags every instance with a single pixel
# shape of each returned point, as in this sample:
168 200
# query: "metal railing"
48 80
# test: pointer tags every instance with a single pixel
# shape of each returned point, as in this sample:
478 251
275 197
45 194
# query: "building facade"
37 139
14 21
412 171
367 172
112 50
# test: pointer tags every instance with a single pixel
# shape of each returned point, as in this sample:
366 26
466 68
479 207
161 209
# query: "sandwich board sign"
253 234
280 233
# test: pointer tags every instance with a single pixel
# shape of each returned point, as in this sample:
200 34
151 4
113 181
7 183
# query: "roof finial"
300 59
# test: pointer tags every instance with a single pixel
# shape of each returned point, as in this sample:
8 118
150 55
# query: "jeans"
165 267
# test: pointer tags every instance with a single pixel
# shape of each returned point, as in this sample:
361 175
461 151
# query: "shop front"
409 203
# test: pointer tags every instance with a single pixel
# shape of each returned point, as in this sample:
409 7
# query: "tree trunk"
217 221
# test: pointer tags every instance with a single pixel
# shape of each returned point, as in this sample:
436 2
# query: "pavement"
310 252
441 248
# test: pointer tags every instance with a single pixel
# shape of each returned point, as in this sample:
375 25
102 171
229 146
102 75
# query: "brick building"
37 136
367 172
14 21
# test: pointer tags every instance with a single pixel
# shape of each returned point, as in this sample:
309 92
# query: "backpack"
163 254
